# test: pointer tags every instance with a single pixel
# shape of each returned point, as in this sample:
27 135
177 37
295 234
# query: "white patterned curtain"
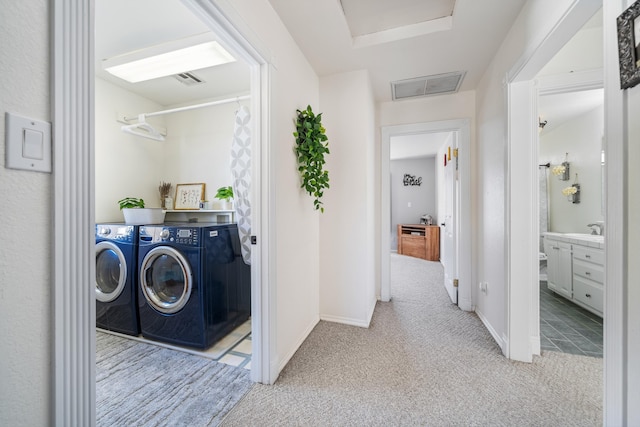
241 170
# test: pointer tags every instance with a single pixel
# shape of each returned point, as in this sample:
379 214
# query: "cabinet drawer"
587 293
593 255
588 270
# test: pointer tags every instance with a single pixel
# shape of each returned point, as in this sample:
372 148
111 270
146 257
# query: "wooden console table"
419 240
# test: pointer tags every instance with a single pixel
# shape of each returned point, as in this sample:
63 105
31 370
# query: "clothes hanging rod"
190 107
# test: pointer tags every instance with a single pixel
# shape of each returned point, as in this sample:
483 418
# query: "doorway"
74 213
570 156
460 127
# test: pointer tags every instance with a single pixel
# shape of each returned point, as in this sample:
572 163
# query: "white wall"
25 241
295 258
535 21
632 285
633 248
197 148
582 139
126 165
347 280
422 198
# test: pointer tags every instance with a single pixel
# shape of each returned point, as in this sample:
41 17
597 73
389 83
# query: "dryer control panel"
186 236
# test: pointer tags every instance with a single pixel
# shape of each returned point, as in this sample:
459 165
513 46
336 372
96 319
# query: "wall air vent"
188 79
438 84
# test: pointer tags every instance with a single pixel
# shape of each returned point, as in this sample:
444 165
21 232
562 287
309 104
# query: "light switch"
32 144
27 143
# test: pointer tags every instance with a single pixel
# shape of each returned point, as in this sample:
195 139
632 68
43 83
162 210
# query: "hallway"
422 361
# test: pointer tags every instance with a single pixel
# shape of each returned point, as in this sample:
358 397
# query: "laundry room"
174 128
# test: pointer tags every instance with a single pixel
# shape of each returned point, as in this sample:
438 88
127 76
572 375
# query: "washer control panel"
186 236
117 232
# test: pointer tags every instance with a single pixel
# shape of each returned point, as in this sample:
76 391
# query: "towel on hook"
241 170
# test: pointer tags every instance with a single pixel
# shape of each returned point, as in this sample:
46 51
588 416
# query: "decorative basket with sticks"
165 189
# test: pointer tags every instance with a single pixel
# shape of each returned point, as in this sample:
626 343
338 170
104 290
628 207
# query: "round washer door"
165 279
111 271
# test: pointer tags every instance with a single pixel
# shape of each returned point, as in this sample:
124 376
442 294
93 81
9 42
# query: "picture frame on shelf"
189 196
629 46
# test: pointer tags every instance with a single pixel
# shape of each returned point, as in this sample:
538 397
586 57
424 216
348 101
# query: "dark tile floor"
567 328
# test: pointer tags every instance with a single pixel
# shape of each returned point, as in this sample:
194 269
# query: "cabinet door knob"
587 256
587 295
588 273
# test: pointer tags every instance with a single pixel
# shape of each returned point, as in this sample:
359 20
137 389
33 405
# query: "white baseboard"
465 304
535 345
363 323
499 340
296 346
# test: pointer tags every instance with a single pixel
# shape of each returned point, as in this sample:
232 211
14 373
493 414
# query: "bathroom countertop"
590 240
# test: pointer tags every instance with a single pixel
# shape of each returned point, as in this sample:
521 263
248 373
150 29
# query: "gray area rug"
422 362
139 384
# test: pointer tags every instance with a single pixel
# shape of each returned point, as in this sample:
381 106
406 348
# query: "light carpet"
422 362
139 384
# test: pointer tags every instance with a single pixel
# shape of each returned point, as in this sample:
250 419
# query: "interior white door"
449 226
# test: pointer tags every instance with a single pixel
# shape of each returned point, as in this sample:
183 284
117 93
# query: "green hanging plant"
310 149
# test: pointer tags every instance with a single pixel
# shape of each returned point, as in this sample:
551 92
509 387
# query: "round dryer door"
165 279
111 271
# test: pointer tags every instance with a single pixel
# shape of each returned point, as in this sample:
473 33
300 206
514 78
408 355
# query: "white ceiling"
372 16
323 34
124 25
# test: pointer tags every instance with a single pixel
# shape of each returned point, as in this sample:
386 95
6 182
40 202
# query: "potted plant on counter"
225 195
135 212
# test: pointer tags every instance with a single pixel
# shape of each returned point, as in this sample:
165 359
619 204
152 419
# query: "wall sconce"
572 192
562 170
542 123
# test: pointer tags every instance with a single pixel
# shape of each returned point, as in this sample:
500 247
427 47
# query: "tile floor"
567 328
239 355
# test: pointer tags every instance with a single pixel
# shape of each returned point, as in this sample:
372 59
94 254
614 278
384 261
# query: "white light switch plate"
27 143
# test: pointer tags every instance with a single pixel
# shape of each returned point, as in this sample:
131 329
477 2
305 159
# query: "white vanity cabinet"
575 268
588 278
559 275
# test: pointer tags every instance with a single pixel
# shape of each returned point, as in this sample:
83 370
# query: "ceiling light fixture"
166 59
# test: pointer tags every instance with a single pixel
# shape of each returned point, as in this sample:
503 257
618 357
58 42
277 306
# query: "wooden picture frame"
629 46
189 196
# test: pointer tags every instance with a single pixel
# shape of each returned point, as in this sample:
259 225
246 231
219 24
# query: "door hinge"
254 240
455 283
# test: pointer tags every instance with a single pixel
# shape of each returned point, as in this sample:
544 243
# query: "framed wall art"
629 46
189 196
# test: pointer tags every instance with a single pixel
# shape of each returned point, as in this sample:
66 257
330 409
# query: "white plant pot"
142 216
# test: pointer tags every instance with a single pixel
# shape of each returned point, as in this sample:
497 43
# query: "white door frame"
73 390
218 17
463 127
522 173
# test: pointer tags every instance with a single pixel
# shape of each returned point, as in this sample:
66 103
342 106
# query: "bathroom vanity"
575 268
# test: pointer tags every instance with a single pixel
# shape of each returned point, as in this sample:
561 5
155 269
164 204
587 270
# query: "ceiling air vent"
188 79
438 84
